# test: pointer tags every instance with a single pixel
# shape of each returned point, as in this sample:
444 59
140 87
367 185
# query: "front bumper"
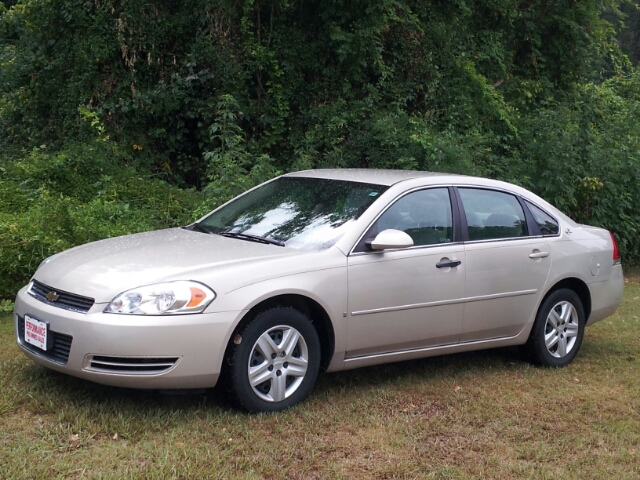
135 351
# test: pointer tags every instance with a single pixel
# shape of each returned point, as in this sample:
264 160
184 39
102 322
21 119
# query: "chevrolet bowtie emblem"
52 296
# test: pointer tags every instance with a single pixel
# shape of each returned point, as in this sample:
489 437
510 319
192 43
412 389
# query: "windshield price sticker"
35 332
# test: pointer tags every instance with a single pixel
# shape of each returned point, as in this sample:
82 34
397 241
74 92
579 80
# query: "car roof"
365 175
393 177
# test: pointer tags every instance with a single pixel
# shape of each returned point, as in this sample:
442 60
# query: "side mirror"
391 238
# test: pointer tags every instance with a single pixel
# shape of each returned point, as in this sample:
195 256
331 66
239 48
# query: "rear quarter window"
546 223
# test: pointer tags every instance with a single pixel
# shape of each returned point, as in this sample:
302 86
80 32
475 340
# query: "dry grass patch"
485 414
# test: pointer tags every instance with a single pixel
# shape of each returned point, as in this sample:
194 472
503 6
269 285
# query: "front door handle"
450 263
539 255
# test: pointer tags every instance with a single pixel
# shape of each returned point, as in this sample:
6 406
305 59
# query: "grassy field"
482 415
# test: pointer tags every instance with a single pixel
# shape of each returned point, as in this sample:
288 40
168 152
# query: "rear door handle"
539 255
451 263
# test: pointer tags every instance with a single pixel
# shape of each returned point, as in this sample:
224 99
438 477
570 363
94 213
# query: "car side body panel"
586 253
504 285
401 299
319 276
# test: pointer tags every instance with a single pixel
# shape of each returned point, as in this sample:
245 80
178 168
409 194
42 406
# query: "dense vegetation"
119 116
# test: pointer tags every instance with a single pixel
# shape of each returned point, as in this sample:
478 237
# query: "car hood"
103 269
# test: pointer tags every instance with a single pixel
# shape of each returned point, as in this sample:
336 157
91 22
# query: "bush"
50 202
583 156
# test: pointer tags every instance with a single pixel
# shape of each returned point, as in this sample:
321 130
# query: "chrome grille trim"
66 300
132 365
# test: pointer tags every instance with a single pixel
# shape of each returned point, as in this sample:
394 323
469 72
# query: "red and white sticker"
35 332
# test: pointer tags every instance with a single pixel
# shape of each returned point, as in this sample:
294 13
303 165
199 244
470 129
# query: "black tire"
284 350
557 332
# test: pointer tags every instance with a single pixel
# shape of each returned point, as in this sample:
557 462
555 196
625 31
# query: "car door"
408 298
506 264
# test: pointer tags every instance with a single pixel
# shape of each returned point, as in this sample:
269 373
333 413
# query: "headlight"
163 299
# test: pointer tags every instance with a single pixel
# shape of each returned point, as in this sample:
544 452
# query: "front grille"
66 300
59 353
132 365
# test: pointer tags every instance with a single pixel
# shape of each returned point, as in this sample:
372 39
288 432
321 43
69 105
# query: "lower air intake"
59 353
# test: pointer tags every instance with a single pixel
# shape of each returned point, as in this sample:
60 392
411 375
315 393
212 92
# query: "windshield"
303 213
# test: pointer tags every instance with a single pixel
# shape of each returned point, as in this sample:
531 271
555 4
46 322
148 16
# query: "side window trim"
457 216
462 216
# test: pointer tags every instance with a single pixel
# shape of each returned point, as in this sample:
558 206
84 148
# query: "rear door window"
492 214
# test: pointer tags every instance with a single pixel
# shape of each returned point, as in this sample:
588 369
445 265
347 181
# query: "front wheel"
276 362
557 332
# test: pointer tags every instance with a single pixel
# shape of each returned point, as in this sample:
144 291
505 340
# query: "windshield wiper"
252 238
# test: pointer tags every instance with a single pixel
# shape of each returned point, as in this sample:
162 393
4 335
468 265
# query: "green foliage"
94 121
306 75
6 306
232 168
628 31
582 156
52 201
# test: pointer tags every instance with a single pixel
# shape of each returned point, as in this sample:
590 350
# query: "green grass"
486 414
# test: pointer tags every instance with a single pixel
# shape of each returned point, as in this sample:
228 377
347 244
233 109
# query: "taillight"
616 251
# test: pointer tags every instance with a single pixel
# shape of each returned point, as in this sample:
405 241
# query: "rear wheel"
276 362
557 332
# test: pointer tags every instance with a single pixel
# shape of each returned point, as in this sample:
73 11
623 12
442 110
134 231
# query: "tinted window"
424 215
303 213
492 214
546 223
